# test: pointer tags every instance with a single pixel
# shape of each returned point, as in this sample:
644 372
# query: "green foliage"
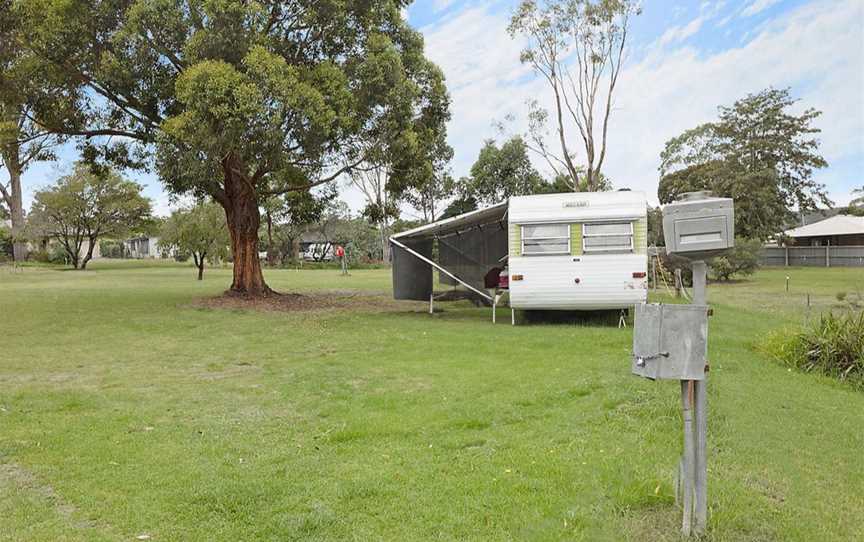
564 183
85 207
741 260
833 346
111 248
198 232
757 153
502 172
857 198
5 243
655 227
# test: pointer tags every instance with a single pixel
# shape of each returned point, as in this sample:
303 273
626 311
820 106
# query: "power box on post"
699 226
670 342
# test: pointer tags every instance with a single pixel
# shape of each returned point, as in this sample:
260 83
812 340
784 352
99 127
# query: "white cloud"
757 6
814 49
681 33
441 5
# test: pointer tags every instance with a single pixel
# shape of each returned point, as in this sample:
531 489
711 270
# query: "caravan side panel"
604 282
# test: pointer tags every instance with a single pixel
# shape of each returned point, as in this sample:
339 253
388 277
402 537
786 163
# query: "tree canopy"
502 172
758 153
26 84
85 206
243 100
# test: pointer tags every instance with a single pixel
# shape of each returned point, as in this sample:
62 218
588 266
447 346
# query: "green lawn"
126 411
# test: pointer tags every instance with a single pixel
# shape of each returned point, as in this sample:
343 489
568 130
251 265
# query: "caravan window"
609 237
546 239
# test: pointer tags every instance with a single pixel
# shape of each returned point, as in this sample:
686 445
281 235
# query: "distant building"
142 247
838 230
314 246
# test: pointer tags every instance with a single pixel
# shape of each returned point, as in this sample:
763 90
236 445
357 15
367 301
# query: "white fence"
839 256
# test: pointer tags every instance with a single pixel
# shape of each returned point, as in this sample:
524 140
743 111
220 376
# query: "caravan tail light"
639 274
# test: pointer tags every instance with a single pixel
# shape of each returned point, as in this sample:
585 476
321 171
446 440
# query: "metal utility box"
699 226
670 341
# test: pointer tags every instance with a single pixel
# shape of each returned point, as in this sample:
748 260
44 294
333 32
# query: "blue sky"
684 59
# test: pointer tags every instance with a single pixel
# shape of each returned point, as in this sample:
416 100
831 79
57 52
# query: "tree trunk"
199 263
89 256
244 218
271 250
73 256
385 243
15 201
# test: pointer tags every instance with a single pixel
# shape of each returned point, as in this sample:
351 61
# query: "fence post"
828 255
787 256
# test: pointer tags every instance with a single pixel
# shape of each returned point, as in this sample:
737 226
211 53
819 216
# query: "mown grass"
125 411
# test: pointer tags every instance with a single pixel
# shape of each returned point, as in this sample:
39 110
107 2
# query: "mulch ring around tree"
293 302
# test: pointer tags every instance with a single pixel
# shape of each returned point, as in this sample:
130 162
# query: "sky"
683 60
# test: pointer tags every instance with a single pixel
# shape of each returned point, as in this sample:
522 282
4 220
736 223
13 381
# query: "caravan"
570 251
578 251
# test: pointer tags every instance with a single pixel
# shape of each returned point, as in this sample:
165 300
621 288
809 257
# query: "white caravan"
570 251
578 251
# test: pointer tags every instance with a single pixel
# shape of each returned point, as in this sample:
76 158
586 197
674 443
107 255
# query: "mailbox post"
671 341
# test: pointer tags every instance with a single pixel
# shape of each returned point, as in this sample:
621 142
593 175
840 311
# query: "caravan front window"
543 239
608 237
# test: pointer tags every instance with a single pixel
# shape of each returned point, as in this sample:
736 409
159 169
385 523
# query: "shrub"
834 346
5 243
743 259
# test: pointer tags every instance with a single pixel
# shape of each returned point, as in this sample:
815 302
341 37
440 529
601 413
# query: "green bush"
834 346
5 244
743 259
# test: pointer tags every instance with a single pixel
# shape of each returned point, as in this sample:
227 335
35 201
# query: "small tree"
743 259
85 206
381 209
858 197
502 172
200 232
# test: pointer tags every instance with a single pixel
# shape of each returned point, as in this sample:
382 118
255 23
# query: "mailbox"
699 226
670 341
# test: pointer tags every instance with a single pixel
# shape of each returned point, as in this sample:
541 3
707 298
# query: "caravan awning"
468 247
456 224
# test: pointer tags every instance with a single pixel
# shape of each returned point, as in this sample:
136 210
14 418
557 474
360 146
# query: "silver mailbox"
699 226
670 341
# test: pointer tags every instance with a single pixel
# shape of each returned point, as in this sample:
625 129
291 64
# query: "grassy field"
128 411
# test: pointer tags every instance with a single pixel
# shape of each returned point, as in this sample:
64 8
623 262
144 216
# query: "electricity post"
671 341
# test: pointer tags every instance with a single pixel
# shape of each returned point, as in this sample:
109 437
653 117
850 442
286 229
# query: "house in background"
838 230
314 246
142 247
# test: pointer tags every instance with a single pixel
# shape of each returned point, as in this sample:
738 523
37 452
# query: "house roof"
836 225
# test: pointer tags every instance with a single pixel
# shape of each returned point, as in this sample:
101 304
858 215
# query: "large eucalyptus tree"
241 100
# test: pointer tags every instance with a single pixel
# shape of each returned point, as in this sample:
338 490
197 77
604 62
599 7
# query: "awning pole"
439 268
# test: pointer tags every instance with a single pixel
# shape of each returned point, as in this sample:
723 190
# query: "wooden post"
679 283
654 272
828 254
787 256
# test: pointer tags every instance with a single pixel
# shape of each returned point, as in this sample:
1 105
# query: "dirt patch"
292 302
17 475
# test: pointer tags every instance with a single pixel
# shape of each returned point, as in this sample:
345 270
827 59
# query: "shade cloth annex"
462 248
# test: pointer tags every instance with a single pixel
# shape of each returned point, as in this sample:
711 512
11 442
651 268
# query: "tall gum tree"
241 100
